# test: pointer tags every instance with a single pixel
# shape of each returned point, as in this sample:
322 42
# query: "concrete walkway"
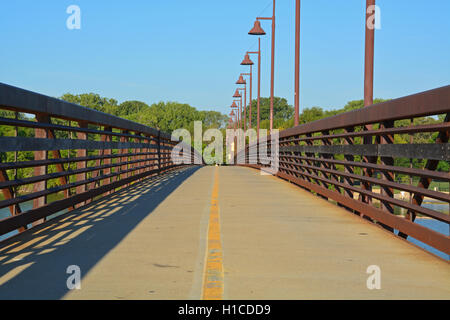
216 232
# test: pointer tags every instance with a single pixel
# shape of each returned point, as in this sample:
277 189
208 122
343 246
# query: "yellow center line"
213 273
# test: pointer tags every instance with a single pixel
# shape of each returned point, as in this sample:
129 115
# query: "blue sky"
189 51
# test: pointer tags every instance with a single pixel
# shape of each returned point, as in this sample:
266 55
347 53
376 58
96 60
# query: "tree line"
169 116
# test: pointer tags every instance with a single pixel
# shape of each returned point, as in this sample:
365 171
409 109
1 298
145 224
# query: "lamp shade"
257 30
237 94
247 61
241 80
231 114
234 105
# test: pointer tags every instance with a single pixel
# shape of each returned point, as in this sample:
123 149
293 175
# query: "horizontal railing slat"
399 186
8 144
39 125
402 130
444 176
439 152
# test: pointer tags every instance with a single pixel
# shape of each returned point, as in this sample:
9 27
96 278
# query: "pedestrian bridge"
138 226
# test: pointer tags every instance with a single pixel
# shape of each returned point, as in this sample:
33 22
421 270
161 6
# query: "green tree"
94 101
281 109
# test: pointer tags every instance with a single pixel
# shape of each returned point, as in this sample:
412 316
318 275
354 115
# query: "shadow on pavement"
33 265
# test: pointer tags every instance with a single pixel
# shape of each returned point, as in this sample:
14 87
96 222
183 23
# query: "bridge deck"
267 240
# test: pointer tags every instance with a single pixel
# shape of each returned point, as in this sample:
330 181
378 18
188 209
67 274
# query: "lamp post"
243 102
242 109
235 106
368 61
234 143
231 119
241 81
250 100
248 62
238 110
297 64
258 31
238 95
368 90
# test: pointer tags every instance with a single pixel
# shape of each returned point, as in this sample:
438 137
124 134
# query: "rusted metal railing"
85 153
354 158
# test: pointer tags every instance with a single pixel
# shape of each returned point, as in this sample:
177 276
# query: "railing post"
107 153
81 164
329 166
59 167
123 167
149 157
389 176
41 170
348 168
311 163
159 152
141 157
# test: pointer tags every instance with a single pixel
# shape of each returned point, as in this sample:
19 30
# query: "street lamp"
250 100
238 95
242 107
258 31
241 81
231 119
233 105
238 110
230 122
248 62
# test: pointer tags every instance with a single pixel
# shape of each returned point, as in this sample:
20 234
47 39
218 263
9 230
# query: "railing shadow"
33 265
